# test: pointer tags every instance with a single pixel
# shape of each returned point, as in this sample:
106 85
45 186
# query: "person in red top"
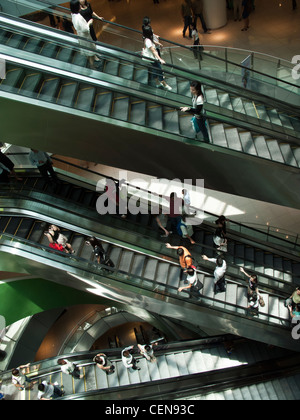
185 258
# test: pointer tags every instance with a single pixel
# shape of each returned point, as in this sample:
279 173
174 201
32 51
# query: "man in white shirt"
69 368
128 360
48 391
44 164
19 379
219 273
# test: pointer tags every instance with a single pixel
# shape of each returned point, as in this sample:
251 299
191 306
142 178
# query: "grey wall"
98 139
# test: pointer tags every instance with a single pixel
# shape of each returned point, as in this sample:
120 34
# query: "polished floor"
274 26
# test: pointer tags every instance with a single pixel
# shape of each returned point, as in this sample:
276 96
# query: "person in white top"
219 273
194 285
150 51
147 351
198 121
82 28
128 360
19 379
70 368
48 391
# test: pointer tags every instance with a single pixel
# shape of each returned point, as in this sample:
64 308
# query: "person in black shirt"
99 252
87 12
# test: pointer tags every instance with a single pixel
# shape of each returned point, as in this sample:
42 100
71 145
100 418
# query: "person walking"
128 360
44 164
252 283
194 284
197 9
219 273
20 379
150 51
146 350
103 363
198 120
82 28
186 12
49 391
247 7
185 259
87 12
70 368
237 10
99 252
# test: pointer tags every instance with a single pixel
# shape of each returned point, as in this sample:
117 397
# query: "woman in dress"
198 120
82 28
87 12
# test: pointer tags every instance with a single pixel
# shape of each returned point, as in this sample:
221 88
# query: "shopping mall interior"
107 123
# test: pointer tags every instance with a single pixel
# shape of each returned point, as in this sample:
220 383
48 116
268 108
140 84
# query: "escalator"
47 76
183 368
146 274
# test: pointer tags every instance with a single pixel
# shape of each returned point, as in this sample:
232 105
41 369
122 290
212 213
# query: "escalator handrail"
11 238
165 40
205 246
240 225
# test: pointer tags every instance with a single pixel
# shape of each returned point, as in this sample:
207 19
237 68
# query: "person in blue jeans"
198 120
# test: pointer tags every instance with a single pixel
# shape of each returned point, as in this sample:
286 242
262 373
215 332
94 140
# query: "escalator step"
67 93
247 143
30 84
275 151
170 117
225 101
155 117
120 109
261 147
126 71
33 45
238 105
218 135
141 75
233 139
138 113
10 83
49 49
49 89
16 41
25 228
85 98
288 154
103 103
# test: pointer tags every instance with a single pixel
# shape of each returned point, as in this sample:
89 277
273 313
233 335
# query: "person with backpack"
194 284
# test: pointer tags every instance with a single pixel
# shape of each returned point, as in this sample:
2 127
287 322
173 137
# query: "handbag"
195 125
261 301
